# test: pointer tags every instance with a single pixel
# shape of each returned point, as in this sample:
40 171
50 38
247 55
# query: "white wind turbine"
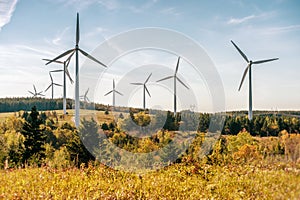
145 89
72 51
114 91
35 93
248 68
175 78
66 72
52 85
85 97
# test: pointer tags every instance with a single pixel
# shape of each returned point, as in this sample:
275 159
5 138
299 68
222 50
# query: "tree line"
39 138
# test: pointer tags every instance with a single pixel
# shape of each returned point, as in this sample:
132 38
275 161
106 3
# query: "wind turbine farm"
65 72
111 99
76 50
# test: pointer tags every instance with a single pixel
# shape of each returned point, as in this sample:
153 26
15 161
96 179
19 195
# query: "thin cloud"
282 29
236 21
7 8
263 16
170 11
59 36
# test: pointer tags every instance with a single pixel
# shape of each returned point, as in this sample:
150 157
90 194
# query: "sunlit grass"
175 182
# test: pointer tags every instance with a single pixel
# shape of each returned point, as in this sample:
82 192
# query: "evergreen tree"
34 137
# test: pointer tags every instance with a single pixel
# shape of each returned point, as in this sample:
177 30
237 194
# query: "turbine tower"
52 84
35 93
114 91
144 91
248 68
72 51
66 72
175 80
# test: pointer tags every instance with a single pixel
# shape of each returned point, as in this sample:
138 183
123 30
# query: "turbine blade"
60 56
240 51
113 84
91 57
182 83
137 83
34 88
31 92
51 77
119 92
147 90
57 84
148 78
108 93
58 70
48 87
177 65
77 30
87 91
244 75
57 61
263 61
67 62
165 78
69 76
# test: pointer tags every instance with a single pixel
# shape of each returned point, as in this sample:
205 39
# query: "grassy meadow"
179 181
238 167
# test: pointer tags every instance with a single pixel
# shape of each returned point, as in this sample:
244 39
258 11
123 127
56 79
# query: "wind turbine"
35 93
84 97
114 91
52 84
66 72
175 80
72 51
145 89
248 68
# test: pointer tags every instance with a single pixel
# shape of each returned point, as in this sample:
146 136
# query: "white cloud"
263 16
7 7
236 21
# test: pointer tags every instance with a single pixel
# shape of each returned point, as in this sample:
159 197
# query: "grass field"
100 116
174 182
268 175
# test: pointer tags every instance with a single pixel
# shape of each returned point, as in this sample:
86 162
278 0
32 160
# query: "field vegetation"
43 156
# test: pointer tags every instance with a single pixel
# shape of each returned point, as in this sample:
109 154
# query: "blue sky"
31 30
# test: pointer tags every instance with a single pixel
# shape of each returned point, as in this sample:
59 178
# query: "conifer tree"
34 137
